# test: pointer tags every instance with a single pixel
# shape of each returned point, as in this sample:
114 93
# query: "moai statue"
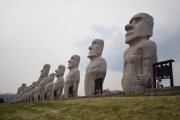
24 94
14 99
73 77
21 88
20 92
32 91
96 68
59 84
28 94
17 96
140 56
39 95
48 93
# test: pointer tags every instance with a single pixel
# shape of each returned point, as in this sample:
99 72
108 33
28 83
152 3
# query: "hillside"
7 97
106 108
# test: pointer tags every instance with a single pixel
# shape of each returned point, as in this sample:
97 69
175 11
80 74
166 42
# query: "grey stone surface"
96 68
17 97
140 55
21 88
48 92
24 94
41 83
59 84
32 91
73 77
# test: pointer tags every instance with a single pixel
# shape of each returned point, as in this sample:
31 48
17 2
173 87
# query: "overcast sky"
36 32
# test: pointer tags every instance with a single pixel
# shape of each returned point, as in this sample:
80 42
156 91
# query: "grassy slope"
109 108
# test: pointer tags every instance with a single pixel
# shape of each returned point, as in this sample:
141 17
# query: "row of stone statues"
45 89
137 74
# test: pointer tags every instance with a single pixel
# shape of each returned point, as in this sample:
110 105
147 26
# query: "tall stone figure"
59 84
73 77
141 54
32 92
39 95
20 92
96 68
16 98
48 92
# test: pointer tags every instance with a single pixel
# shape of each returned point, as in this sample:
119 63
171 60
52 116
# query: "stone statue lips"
129 33
92 52
129 28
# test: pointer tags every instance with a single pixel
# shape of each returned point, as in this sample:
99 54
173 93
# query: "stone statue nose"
90 47
128 27
69 61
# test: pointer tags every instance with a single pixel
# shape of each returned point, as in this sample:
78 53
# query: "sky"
38 32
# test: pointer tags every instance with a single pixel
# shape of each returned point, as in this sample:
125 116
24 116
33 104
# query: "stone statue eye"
138 19
94 43
135 20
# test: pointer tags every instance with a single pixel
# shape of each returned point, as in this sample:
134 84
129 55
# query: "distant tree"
1 100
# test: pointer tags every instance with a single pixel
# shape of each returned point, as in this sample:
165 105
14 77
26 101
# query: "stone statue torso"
95 69
134 64
72 79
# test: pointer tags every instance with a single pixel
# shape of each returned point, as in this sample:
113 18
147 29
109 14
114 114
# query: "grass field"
106 108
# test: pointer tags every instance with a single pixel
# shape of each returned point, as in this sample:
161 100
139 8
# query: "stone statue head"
34 83
51 77
23 85
96 48
45 70
140 25
74 61
60 71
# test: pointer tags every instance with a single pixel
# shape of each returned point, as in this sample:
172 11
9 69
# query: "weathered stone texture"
48 92
73 77
59 84
96 68
140 55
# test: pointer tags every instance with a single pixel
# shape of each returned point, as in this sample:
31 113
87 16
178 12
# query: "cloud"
167 43
114 45
34 33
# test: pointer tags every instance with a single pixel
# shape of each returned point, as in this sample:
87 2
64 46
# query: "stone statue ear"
149 29
99 50
149 32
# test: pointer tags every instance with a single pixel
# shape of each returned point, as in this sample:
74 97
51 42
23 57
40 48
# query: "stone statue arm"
43 85
77 79
148 58
125 53
103 69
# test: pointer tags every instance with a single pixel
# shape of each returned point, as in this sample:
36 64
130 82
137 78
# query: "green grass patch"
106 108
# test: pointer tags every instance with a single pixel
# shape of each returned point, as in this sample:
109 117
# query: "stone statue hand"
137 80
74 89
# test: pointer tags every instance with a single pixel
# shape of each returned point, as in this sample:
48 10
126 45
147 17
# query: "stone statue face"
60 70
140 25
74 61
45 70
24 85
34 83
51 77
96 48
